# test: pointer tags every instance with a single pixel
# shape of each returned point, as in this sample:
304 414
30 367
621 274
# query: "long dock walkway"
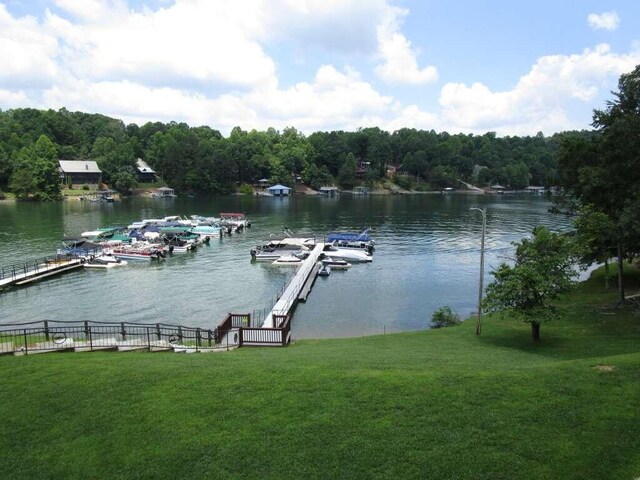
34 271
289 297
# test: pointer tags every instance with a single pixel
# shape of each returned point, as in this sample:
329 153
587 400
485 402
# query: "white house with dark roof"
79 172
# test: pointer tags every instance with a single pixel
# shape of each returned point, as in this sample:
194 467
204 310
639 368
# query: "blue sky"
514 68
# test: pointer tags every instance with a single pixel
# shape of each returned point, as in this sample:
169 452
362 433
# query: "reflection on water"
427 256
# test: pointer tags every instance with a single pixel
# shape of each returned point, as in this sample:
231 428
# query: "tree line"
201 159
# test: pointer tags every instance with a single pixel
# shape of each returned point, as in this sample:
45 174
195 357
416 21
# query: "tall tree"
603 172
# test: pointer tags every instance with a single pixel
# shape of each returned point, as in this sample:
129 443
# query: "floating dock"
295 287
34 271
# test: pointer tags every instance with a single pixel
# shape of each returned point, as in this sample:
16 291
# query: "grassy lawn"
432 404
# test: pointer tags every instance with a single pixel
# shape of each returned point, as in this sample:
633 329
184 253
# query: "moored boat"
336 263
104 261
288 261
349 254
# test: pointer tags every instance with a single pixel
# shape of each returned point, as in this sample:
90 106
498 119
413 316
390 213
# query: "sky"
461 66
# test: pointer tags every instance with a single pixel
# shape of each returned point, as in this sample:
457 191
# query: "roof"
143 167
279 187
79 166
165 189
497 187
328 188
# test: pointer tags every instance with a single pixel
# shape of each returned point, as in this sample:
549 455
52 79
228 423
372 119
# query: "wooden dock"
34 271
295 287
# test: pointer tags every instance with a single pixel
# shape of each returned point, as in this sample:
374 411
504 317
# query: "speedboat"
336 263
288 261
349 254
104 261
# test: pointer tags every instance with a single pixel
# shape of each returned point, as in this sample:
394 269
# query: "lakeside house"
79 172
279 190
146 174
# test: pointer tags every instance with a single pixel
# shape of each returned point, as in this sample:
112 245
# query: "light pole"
484 226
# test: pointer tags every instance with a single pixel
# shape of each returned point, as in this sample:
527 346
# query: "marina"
426 255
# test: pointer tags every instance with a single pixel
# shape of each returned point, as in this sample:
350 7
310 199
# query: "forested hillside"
201 159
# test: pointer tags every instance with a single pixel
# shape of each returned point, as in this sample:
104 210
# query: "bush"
246 189
85 187
444 317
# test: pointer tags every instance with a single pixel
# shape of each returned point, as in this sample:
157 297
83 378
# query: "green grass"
433 404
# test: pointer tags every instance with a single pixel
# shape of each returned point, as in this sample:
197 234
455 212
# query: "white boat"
336 263
349 254
268 253
104 261
288 261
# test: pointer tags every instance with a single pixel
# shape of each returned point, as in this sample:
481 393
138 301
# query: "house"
279 190
393 170
330 191
263 183
79 172
146 174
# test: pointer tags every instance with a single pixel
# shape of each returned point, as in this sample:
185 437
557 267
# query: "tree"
347 175
602 171
543 269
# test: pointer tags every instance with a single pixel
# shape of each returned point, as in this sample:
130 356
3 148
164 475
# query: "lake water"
427 255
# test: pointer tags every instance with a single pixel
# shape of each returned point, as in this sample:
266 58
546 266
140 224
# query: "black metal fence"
50 335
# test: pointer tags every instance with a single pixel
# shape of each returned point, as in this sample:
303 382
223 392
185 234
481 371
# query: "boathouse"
330 191
164 192
279 191
146 174
79 172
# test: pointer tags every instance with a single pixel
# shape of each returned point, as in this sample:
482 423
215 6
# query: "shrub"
444 317
85 187
246 189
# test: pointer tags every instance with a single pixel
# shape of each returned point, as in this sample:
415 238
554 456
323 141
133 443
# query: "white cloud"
399 60
27 55
198 43
603 21
540 100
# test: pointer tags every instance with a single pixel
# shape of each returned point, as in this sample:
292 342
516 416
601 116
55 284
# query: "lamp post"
484 226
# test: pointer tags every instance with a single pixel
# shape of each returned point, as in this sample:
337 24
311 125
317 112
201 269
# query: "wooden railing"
247 335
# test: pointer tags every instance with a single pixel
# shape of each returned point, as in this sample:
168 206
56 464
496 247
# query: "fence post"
123 331
26 347
158 331
198 338
86 328
210 335
180 332
148 339
88 334
46 330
